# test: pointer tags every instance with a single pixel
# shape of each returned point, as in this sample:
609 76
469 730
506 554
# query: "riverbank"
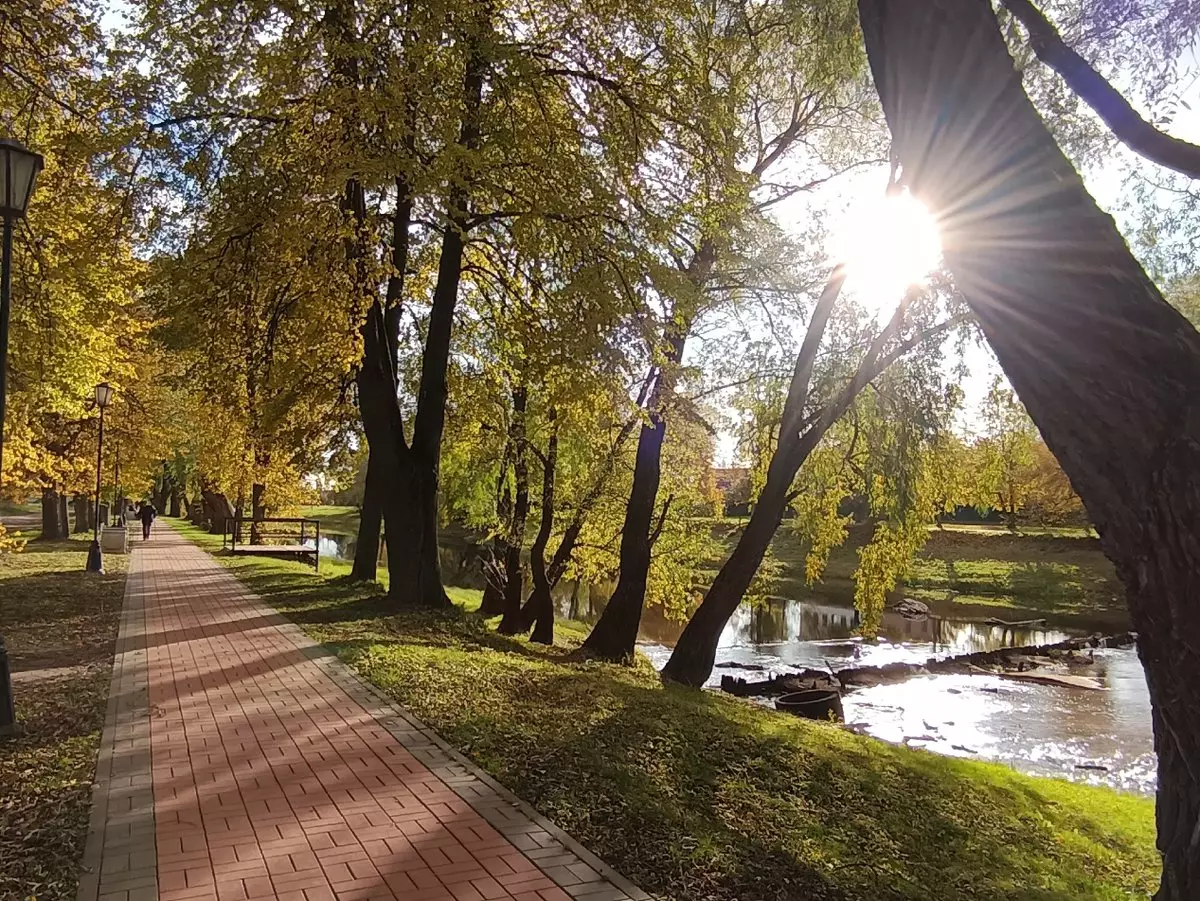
963 572
693 795
59 624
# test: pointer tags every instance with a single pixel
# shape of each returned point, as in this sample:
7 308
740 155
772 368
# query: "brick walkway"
240 761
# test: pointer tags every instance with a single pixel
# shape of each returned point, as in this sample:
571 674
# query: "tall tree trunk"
539 609
1108 371
495 576
82 506
64 519
51 521
177 501
410 508
695 652
366 549
615 633
258 511
692 660
514 582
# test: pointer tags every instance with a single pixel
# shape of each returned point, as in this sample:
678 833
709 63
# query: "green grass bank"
699 796
59 625
963 572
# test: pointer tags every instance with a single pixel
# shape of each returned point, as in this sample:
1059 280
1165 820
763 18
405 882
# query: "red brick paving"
272 778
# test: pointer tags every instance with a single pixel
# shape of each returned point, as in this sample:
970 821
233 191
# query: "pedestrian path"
241 761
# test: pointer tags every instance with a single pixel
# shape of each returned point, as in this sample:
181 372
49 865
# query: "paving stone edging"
121 827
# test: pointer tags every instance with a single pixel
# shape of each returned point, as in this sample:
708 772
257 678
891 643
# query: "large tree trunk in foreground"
695 653
1108 371
51 520
82 506
410 471
407 486
370 520
514 580
64 518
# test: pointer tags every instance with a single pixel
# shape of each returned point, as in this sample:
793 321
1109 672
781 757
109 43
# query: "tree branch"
662 519
798 389
1107 102
219 114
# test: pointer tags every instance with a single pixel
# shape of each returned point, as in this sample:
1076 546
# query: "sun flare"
887 244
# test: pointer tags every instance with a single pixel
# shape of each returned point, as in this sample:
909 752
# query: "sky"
862 189
1104 182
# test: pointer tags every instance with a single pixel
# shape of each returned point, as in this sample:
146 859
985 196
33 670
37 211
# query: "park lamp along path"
19 168
95 561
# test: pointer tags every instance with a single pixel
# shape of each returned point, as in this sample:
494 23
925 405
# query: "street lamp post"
19 168
95 564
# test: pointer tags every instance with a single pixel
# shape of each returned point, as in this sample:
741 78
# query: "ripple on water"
1045 730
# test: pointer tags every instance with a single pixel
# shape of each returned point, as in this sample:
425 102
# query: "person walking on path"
146 514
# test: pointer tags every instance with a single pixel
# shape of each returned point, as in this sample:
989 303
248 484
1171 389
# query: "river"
1101 737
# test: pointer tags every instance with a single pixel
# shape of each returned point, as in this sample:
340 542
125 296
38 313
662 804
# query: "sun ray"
887 244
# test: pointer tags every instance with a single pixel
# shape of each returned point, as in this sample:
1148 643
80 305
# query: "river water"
1046 730
1101 737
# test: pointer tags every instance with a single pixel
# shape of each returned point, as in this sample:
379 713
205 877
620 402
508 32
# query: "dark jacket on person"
146 513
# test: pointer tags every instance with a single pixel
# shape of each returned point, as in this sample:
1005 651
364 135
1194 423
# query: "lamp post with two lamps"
104 395
19 168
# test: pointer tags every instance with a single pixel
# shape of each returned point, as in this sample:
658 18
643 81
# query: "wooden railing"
274 536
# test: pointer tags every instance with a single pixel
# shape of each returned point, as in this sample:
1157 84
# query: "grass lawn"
699 796
59 624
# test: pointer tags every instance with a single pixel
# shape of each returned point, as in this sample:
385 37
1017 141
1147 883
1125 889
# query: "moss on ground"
59 624
699 796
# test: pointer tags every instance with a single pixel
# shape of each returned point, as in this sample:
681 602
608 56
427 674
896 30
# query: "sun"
887 244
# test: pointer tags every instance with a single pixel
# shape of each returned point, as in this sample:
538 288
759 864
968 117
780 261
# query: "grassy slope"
963 571
53 615
698 796
334 520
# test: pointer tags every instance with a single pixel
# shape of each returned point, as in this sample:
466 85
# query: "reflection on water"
805 633
462 563
1040 729
1043 729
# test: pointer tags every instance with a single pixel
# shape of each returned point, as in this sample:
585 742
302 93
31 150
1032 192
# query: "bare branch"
235 115
1107 102
662 519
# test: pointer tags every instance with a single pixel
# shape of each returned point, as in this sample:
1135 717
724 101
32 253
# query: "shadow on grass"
53 613
696 797
693 795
